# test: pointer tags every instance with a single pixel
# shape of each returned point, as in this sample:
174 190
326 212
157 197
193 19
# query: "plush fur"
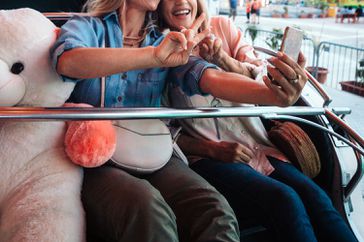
39 186
89 143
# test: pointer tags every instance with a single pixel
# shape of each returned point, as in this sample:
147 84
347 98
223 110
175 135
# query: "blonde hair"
202 8
101 7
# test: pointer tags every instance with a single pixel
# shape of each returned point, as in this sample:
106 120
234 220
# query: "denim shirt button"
120 98
124 76
139 76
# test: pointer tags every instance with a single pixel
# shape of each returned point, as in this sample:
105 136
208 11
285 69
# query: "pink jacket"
248 131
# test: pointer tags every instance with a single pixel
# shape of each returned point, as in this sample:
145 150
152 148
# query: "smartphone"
292 42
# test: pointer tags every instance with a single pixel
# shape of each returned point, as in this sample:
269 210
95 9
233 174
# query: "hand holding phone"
286 81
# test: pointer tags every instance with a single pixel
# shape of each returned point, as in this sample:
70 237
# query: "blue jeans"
287 202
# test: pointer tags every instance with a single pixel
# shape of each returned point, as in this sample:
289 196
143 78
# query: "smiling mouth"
183 12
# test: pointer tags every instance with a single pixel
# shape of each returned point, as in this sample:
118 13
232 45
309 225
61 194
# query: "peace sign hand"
176 47
192 35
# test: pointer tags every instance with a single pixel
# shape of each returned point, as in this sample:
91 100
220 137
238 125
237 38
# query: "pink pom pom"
90 143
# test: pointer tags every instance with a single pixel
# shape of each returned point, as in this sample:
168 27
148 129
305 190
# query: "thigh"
109 189
290 175
202 213
248 191
311 194
176 175
327 221
251 196
122 207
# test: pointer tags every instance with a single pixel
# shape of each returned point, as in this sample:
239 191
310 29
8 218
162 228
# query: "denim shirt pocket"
150 87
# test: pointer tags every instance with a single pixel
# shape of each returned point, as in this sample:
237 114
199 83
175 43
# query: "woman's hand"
231 152
287 78
211 50
223 151
176 47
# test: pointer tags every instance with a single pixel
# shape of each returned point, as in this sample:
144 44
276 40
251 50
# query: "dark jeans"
172 204
287 202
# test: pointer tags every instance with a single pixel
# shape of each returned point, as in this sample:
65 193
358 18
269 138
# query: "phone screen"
292 42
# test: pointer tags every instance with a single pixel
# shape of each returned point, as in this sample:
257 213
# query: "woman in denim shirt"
120 206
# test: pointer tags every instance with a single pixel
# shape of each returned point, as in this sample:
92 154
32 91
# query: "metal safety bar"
354 181
319 89
80 113
313 124
268 112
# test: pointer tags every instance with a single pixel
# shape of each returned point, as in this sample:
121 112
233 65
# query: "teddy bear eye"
17 68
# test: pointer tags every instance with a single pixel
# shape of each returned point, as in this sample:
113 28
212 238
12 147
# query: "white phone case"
292 42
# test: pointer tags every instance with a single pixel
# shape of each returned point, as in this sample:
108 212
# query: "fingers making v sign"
176 47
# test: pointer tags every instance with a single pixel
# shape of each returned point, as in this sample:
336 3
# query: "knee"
208 203
287 196
146 210
115 195
311 192
218 202
146 200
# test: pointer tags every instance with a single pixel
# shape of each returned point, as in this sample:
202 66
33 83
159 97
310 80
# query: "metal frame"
268 112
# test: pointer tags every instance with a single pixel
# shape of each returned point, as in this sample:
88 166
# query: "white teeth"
182 12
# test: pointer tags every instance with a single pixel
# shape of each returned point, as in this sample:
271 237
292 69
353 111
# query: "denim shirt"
135 88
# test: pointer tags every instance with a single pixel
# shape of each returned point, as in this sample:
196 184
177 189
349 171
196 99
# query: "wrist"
156 60
211 148
221 60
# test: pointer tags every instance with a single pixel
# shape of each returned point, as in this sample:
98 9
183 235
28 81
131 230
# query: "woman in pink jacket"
235 154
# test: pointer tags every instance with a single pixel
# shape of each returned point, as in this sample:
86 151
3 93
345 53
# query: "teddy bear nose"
17 68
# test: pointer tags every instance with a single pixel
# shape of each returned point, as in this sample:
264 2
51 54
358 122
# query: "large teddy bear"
39 186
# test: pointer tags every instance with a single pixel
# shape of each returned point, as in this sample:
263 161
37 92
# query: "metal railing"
267 112
76 113
341 61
